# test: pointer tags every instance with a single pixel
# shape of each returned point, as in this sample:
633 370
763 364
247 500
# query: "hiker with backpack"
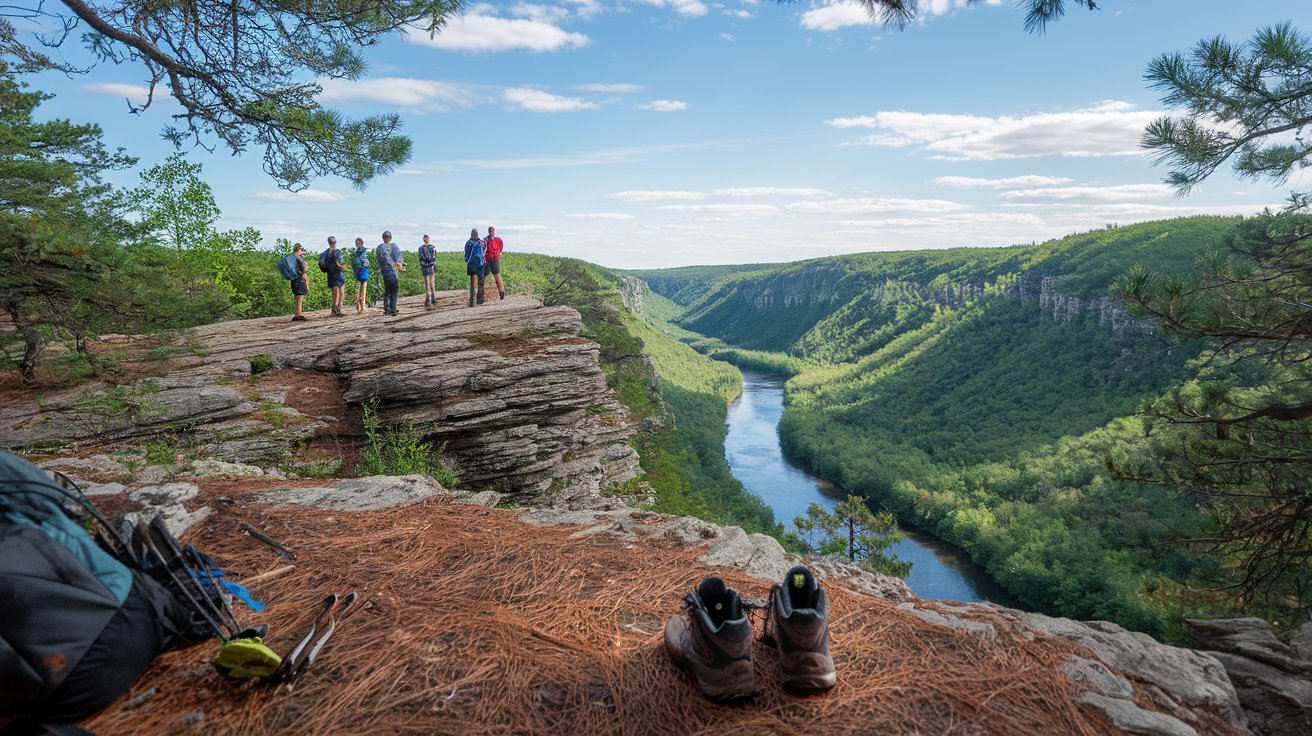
493 246
474 262
292 267
360 262
390 264
428 267
330 262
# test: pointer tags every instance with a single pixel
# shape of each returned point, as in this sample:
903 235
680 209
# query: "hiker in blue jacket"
360 262
428 267
474 255
390 264
331 260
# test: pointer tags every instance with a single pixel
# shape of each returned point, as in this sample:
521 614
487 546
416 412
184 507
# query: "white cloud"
727 37
868 205
843 13
1031 180
970 219
1117 193
305 195
397 91
478 33
662 105
540 101
135 93
533 11
771 192
654 196
586 9
614 88
737 210
837 15
862 121
1106 129
744 14
690 8
600 216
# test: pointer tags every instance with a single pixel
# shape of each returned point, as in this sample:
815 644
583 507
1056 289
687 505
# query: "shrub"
396 449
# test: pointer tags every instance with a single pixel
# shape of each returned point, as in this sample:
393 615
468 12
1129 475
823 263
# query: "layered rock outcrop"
514 394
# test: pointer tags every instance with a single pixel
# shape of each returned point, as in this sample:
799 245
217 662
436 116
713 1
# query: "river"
938 571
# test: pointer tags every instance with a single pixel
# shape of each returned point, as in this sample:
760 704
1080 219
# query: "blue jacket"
427 258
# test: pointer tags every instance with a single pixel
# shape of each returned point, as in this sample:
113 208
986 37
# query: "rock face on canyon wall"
510 389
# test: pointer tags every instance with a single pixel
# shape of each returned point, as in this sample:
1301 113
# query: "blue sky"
654 133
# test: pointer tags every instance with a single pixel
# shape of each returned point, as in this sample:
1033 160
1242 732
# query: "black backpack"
83 611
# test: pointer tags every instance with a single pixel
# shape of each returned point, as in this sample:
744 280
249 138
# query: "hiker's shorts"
299 287
492 267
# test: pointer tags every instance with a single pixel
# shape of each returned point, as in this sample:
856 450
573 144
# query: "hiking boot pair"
714 639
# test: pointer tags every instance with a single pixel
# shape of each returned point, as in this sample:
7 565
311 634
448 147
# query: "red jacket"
493 245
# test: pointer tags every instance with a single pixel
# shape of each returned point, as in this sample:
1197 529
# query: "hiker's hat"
296 248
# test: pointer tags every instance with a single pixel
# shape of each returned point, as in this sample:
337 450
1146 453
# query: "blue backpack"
287 267
475 257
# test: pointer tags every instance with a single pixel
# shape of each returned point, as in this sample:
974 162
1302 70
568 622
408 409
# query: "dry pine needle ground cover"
477 624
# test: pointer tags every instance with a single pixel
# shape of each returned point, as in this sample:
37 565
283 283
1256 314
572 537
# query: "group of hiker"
482 258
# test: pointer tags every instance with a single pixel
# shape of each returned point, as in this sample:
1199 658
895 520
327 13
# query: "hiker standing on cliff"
300 284
331 260
360 262
428 267
389 262
493 247
474 261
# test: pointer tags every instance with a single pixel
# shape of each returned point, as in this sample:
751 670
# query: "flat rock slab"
356 494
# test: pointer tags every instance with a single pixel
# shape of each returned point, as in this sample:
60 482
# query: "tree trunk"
30 349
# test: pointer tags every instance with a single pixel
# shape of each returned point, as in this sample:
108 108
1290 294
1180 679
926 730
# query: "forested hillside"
979 393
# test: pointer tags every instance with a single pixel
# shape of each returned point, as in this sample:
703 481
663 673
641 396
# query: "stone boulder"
1272 678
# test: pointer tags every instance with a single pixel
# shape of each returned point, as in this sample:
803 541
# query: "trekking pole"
343 612
149 547
288 662
163 539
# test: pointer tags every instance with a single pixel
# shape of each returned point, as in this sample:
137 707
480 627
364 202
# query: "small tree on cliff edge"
59 224
855 532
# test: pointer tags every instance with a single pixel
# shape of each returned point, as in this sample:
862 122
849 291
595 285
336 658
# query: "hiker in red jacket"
492 264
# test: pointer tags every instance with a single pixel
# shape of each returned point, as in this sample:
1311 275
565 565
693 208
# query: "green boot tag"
799 580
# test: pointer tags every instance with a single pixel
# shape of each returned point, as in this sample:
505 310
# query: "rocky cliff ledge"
511 389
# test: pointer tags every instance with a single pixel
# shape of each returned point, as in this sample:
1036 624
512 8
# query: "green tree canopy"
245 71
60 223
1236 440
1248 104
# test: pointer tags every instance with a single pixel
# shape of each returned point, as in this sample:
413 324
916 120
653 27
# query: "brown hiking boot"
713 640
798 622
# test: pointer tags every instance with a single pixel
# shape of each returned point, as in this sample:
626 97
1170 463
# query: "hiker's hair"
473 233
